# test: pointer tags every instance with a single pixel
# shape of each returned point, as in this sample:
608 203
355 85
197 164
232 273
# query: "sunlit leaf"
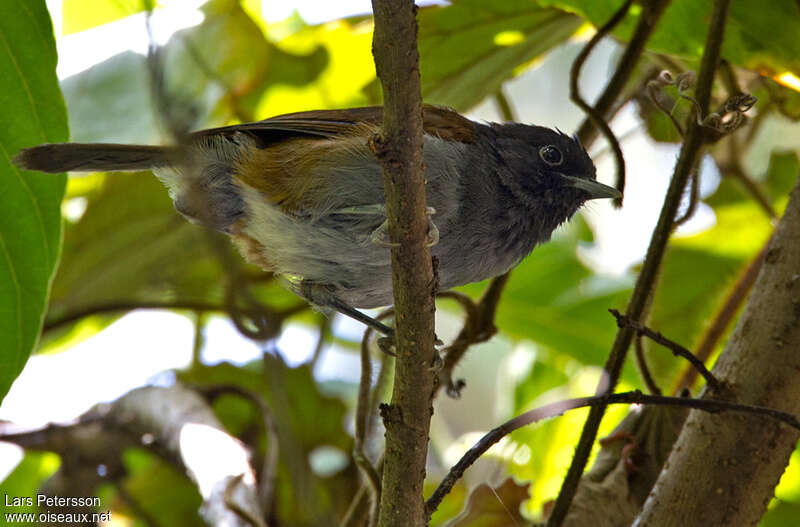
31 112
348 67
80 15
783 514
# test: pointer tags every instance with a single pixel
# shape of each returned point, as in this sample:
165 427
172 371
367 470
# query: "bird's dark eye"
551 155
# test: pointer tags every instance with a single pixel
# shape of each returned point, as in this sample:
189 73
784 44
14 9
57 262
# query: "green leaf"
784 168
25 481
31 111
160 490
470 48
783 514
692 284
554 300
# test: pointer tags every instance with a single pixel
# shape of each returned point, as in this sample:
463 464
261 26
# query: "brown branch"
559 407
478 327
200 306
399 149
690 152
372 479
108 308
677 349
760 365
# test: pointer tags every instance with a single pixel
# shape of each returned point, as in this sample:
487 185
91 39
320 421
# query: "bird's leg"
322 295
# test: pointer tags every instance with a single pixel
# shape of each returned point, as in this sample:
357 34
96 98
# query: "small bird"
302 195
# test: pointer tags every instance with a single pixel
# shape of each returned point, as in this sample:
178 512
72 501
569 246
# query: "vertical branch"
690 153
399 148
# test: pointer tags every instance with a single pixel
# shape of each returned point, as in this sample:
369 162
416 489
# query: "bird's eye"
551 155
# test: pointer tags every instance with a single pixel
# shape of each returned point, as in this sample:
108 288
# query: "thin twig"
690 152
644 369
478 327
324 333
558 408
677 349
603 106
351 515
694 198
199 340
363 410
596 117
108 308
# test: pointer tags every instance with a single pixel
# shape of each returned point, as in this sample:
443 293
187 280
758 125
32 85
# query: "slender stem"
690 152
399 150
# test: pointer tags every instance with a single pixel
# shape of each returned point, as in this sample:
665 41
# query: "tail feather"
92 157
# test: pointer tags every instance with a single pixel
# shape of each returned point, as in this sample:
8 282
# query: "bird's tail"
92 157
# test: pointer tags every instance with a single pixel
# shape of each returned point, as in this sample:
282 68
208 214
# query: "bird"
301 195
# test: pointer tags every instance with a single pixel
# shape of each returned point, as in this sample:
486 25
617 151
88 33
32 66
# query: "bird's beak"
593 188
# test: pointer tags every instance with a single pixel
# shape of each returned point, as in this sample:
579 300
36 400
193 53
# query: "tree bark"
724 468
407 418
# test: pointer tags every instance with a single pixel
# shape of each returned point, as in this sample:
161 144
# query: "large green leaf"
31 112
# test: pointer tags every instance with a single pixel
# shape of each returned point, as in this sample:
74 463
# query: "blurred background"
143 297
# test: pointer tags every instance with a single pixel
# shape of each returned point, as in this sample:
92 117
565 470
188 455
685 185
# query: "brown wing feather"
285 172
437 120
